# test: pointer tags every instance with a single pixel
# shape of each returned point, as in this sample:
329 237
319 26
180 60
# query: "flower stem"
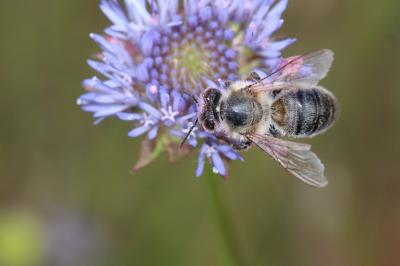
225 227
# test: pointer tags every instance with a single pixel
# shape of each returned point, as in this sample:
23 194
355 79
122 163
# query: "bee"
287 103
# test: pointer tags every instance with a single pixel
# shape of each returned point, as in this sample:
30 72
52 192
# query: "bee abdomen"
308 112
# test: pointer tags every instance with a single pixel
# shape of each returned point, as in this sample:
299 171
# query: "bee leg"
254 77
241 145
227 83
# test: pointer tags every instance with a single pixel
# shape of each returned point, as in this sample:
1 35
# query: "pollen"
193 59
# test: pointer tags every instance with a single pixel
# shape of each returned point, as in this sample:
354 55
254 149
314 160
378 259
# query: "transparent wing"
297 158
304 71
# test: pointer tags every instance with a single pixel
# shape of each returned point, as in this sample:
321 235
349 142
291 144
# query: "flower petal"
218 163
152 133
129 116
113 11
138 131
150 109
200 164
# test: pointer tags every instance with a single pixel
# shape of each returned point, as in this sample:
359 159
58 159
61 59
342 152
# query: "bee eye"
209 124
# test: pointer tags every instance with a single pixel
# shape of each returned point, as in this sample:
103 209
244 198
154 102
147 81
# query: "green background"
67 197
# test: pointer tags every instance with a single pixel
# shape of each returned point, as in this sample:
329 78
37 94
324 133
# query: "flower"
157 55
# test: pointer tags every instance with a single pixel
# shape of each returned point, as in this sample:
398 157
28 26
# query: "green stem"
223 221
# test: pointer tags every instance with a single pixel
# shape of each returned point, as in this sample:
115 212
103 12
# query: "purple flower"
156 55
215 153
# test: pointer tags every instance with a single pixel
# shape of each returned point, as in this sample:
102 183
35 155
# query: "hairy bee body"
286 103
302 112
241 112
284 112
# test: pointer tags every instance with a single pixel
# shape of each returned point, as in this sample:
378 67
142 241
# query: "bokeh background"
67 196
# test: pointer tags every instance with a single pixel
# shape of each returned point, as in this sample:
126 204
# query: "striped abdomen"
304 112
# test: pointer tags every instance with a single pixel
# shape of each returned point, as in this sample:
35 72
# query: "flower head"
156 55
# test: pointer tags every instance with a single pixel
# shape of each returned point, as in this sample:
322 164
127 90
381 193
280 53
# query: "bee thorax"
241 113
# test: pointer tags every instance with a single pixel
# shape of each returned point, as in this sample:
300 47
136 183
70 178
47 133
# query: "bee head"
208 114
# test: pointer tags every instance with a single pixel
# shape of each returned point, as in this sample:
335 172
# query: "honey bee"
287 103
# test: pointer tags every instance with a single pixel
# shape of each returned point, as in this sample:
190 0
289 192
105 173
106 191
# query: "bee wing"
304 71
297 158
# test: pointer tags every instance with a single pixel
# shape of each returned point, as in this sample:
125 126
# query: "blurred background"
67 196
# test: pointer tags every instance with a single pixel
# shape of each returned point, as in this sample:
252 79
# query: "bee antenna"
192 96
188 134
